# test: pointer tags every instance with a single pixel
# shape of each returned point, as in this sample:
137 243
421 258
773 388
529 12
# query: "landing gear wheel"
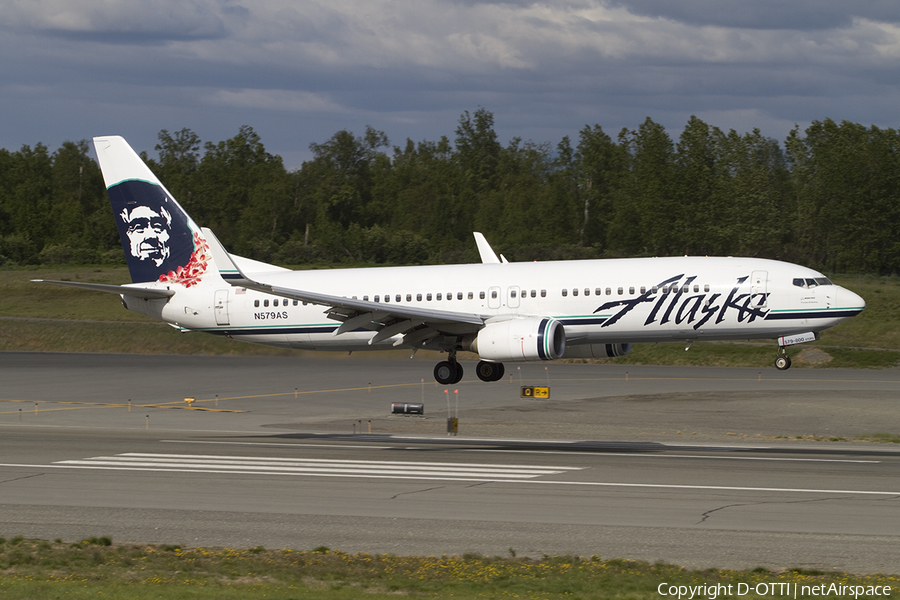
447 372
783 362
489 371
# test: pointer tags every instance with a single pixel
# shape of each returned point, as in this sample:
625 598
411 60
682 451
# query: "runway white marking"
187 463
275 444
515 474
562 452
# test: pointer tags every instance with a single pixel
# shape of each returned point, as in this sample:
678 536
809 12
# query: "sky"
298 71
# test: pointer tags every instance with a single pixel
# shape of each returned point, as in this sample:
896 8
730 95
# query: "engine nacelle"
597 350
517 340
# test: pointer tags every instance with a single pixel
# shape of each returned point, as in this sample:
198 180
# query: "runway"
698 467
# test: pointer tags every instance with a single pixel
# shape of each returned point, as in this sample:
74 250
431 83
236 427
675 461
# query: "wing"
419 327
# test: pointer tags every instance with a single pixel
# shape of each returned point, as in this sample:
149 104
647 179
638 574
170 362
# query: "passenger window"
481 295
696 288
275 302
587 292
377 298
397 298
574 291
266 302
655 289
631 291
471 296
365 298
706 287
428 297
418 297
686 289
459 295
665 289
598 292
256 303
609 291
512 293
543 293
296 302
643 290
494 294
449 295
534 293
387 297
621 291
565 293
438 296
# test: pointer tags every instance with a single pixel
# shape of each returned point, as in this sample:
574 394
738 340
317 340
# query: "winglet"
484 249
228 269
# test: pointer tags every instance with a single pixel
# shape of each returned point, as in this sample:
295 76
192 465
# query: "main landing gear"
489 371
448 372
783 361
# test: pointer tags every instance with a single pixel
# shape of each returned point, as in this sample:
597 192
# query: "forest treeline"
827 197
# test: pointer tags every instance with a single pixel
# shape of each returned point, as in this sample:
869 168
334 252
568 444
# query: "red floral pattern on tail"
190 274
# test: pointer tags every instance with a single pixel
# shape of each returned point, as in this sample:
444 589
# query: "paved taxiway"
693 466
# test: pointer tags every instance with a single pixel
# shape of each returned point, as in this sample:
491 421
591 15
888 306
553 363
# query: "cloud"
800 15
410 67
282 100
118 22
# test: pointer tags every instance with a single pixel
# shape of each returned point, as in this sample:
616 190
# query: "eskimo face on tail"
148 233
156 234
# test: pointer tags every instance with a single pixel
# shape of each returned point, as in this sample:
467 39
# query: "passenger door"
221 307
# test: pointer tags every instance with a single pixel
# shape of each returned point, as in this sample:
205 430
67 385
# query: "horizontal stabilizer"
135 292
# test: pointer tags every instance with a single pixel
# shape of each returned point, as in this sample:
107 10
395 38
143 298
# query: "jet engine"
597 350
517 340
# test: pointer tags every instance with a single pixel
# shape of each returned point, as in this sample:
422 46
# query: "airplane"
503 311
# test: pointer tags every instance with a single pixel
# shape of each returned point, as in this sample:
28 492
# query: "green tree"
244 192
476 157
179 159
599 165
645 212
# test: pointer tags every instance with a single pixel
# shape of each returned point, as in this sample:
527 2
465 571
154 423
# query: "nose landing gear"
783 361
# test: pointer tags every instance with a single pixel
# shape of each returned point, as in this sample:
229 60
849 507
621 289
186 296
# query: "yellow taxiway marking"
179 404
86 405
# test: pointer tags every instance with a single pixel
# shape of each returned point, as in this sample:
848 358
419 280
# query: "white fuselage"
597 301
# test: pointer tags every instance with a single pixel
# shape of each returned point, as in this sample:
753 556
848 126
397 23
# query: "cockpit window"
811 282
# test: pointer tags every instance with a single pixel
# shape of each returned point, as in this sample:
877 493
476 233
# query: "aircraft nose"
850 300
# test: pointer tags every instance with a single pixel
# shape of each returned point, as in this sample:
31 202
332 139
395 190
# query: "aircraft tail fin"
160 240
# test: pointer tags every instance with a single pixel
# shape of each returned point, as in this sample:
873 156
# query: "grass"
94 569
42 317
